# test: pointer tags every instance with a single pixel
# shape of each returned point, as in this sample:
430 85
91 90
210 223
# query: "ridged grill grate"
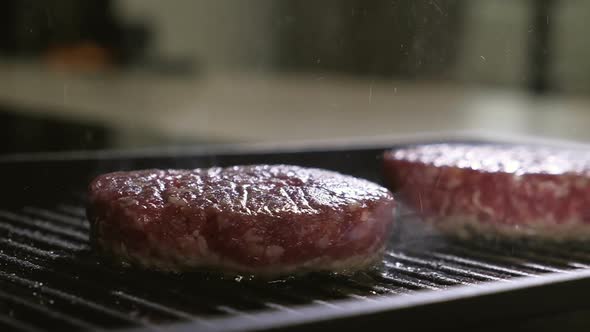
49 278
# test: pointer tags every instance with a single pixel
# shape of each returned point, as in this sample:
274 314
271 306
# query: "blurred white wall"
226 34
218 33
495 41
571 67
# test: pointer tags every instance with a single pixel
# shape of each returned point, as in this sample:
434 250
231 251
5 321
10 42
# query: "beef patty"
496 189
261 219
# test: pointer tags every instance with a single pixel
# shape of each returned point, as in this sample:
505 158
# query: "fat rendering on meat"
259 219
491 190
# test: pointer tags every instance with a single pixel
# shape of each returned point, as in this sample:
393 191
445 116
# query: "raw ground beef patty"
261 219
493 189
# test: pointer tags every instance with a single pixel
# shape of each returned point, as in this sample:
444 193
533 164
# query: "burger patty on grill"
261 219
495 189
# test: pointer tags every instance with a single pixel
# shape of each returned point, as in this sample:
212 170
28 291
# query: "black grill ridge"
48 274
50 279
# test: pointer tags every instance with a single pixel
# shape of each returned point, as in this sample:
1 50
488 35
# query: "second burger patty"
494 189
257 219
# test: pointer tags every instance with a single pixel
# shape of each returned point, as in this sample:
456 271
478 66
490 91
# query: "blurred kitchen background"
141 73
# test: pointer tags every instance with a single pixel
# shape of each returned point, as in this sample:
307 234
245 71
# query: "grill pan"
50 280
